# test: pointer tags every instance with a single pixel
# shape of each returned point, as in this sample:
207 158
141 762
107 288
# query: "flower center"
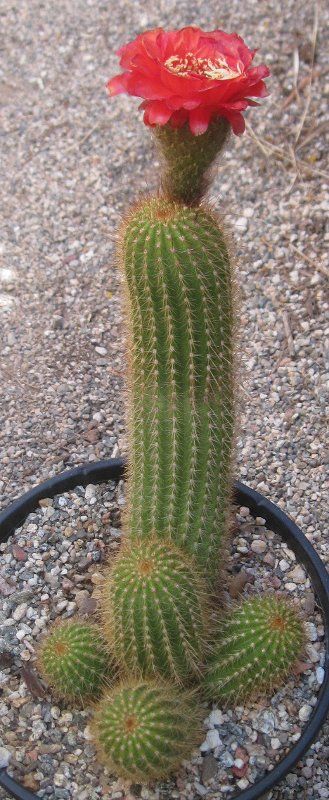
216 70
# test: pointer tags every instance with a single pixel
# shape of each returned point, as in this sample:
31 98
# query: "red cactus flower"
190 75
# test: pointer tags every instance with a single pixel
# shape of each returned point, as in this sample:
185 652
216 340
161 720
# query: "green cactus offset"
143 730
74 659
256 647
154 611
180 295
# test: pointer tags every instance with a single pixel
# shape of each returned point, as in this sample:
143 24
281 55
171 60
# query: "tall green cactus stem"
154 611
143 730
180 295
73 658
188 158
256 647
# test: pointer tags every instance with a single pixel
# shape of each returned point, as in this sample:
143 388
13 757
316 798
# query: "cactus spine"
179 281
154 610
256 647
143 729
74 659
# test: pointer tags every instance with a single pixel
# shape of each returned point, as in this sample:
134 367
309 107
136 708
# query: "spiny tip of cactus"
74 660
154 610
143 729
256 647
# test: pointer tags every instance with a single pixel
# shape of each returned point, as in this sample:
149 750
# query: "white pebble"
90 491
275 744
283 564
241 224
244 511
297 575
20 635
305 712
25 655
59 779
312 632
213 739
5 756
312 653
216 718
101 351
258 546
239 763
201 790
320 675
243 783
20 612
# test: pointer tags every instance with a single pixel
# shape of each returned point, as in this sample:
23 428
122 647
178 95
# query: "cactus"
257 646
154 610
187 158
143 729
74 660
180 293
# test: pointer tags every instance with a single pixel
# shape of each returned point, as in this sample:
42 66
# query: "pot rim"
114 469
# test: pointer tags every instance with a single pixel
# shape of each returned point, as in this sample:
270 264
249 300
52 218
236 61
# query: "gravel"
72 162
48 746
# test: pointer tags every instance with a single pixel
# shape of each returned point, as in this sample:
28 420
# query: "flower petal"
158 113
199 120
118 84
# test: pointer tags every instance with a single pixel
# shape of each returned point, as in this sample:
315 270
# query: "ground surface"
72 161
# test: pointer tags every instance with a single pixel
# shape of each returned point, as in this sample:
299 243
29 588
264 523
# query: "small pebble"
213 739
20 612
305 712
320 675
216 718
258 546
5 756
275 744
297 575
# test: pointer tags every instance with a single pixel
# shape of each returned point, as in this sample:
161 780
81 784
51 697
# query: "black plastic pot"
276 520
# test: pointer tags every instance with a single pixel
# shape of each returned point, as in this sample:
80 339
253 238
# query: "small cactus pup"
74 660
195 85
154 610
256 647
178 275
143 730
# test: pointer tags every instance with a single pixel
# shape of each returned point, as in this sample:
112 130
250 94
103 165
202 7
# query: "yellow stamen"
216 69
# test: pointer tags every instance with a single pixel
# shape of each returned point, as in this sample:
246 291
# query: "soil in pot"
51 568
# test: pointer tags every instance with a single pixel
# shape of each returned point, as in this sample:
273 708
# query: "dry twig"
309 94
